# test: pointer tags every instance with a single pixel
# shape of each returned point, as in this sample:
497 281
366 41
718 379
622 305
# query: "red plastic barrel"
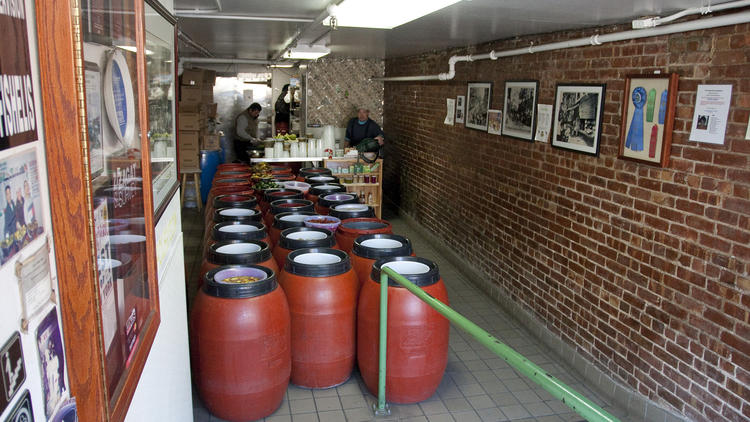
232 167
276 194
417 346
237 230
347 211
321 288
285 221
312 171
369 248
286 205
221 215
333 199
233 252
241 344
354 227
299 238
323 189
231 200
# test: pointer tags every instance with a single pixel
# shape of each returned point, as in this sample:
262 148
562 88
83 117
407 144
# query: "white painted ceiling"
465 23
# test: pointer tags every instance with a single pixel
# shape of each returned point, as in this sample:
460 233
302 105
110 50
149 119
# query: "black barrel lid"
337 198
276 194
235 200
285 205
281 222
345 211
214 286
236 214
306 237
231 181
381 245
238 230
326 188
236 252
364 224
419 271
321 178
314 171
317 262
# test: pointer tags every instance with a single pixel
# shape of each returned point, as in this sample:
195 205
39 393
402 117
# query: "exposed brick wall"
643 269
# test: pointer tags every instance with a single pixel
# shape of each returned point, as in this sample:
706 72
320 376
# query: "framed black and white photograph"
578 117
519 119
478 103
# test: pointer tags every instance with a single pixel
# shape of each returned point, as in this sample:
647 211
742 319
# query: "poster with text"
20 203
17 108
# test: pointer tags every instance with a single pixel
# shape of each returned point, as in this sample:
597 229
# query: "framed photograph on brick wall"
478 104
647 118
578 117
519 119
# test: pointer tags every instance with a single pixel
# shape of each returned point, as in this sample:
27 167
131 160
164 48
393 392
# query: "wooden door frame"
63 99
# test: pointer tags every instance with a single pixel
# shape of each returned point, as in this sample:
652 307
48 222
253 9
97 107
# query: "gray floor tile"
353 402
433 407
306 417
442 417
538 409
302 406
466 416
492 414
481 402
471 389
515 411
279 418
457 404
327 403
332 416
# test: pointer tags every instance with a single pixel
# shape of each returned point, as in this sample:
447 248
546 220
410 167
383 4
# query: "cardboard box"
209 77
192 77
190 121
210 142
189 107
207 94
189 140
211 109
192 95
189 160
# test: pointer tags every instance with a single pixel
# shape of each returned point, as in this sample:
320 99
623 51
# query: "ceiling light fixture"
307 52
383 14
281 65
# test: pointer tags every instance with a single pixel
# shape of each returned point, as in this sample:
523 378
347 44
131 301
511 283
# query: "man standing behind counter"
362 127
246 131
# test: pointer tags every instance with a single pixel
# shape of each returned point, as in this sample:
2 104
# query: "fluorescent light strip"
383 14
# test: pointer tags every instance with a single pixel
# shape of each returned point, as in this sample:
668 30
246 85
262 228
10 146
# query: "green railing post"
382 407
580 404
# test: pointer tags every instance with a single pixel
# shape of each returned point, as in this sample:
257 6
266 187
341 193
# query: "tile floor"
477 386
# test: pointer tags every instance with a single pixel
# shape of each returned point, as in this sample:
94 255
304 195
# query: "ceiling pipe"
309 27
703 10
228 16
220 60
707 23
189 41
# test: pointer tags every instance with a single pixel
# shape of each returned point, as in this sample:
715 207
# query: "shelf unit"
374 189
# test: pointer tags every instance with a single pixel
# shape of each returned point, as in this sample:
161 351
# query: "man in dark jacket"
362 127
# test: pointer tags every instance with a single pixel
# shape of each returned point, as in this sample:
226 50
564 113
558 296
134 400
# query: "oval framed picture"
119 100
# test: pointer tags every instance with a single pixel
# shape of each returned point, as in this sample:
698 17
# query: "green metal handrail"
573 399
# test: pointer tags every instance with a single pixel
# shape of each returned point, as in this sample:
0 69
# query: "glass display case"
160 74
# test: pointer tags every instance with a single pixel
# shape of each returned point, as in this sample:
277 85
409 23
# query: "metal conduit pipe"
219 60
656 21
227 16
707 23
304 32
189 41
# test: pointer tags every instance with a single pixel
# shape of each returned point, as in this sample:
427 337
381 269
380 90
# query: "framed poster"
20 203
578 117
520 109
647 118
93 80
23 411
460 108
18 117
478 102
12 370
495 122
